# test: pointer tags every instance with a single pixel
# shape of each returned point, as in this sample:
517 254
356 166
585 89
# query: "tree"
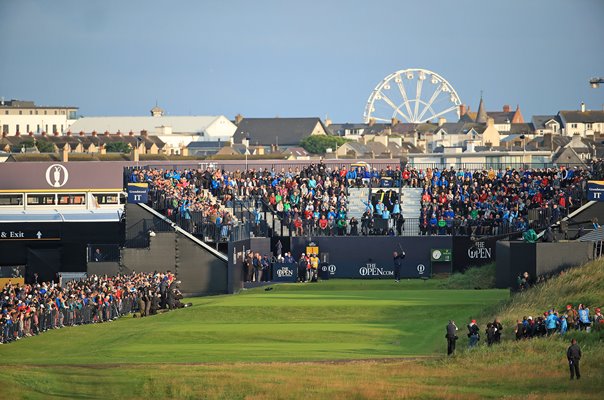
44 146
118 147
317 144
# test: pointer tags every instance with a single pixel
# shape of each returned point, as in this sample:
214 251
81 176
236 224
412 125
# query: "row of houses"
492 132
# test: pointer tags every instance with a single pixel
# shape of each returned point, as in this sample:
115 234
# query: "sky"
296 58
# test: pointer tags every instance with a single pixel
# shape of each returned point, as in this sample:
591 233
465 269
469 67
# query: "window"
45 112
62 112
5 129
54 128
55 112
573 125
31 112
20 112
36 112
17 128
588 126
72 115
106 198
6 112
27 126
40 199
11 200
72 199
38 128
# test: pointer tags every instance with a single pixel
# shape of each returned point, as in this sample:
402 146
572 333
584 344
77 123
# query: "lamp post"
247 145
595 82
523 137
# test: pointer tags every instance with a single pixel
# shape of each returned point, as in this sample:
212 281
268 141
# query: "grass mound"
473 278
581 285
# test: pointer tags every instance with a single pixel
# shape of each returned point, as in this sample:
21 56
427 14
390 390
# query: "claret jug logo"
57 175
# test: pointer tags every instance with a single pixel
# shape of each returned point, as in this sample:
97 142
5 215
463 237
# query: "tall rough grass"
473 278
580 285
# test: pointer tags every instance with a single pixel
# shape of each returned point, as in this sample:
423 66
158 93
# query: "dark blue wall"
371 256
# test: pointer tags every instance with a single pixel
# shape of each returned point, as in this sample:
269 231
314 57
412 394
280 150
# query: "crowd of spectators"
553 322
31 309
313 200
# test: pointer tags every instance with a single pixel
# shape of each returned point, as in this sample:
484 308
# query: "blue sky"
303 58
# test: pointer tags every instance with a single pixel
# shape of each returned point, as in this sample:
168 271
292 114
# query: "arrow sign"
39 235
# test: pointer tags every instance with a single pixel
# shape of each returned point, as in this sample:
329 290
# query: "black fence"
138 235
12 271
103 253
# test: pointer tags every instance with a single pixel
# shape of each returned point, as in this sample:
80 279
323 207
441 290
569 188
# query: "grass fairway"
336 339
324 321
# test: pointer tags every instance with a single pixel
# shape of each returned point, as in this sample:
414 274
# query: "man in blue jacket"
551 323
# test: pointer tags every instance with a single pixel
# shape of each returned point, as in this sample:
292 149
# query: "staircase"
278 223
411 198
357 197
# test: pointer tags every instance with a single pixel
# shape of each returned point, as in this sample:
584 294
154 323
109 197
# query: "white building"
583 122
176 131
496 159
547 124
22 117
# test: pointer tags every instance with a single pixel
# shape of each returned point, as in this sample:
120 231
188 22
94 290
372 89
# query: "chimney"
490 121
576 141
56 133
462 110
506 108
393 121
441 121
130 133
119 133
94 133
327 122
82 133
548 140
582 107
68 133
43 133
31 133
4 134
371 122
144 133
106 133
238 119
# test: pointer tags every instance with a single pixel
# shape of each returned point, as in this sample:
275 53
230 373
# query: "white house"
18 117
583 122
544 124
175 131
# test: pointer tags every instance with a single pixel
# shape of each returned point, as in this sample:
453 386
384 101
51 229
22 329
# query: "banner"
137 192
595 190
472 253
371 257
285 272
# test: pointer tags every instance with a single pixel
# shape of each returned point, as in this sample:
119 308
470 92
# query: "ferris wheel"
412 95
